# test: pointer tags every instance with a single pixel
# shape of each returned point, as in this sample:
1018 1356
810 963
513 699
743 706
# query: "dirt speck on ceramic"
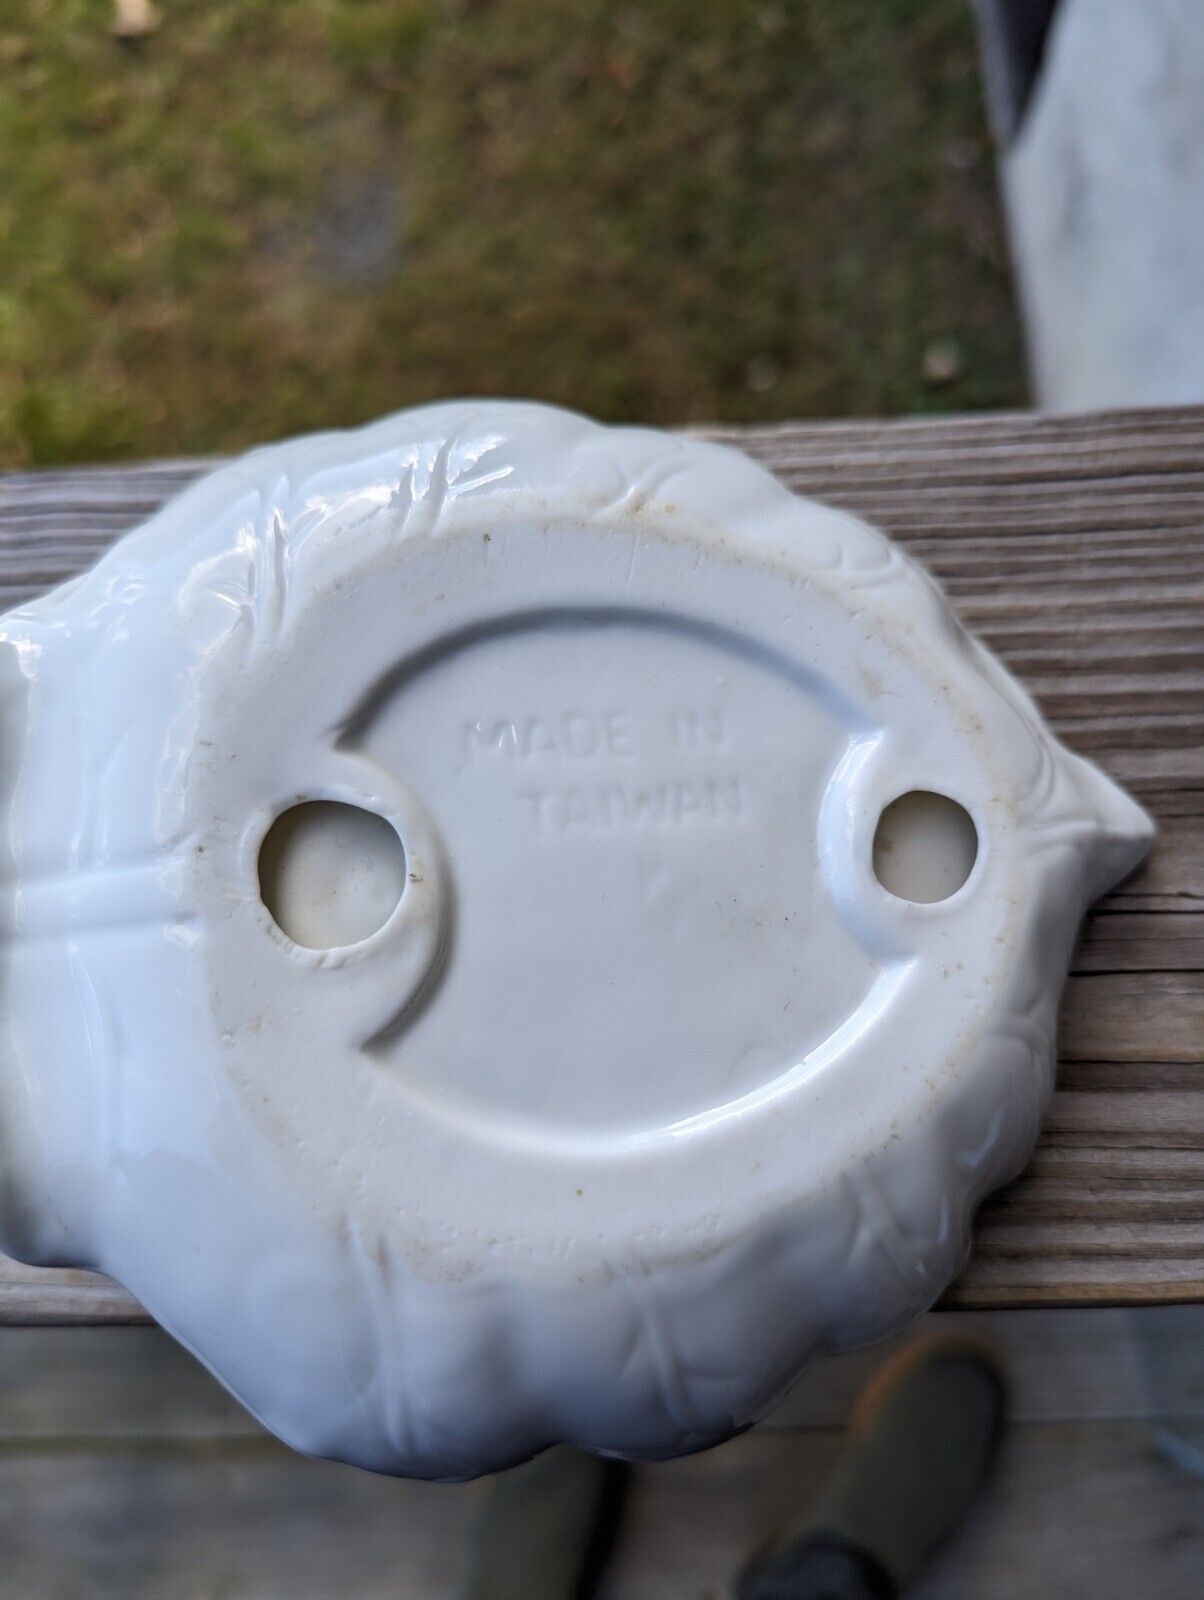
517 930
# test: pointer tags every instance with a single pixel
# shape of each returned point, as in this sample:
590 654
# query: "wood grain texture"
126 1471
1075 1509
1075 548
98 1384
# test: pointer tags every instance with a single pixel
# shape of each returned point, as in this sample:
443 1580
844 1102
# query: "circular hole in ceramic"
925 847
331 874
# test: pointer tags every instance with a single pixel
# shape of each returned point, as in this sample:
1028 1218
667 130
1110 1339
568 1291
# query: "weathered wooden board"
1075 548
115 1385
1075 1509
111 1438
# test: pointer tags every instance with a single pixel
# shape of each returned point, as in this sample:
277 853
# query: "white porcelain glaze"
647 1089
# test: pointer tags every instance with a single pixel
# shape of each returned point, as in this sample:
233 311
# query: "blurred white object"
1104 186
560 1067
134 19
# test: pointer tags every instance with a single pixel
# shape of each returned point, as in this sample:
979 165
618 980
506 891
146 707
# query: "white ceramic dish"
604 1081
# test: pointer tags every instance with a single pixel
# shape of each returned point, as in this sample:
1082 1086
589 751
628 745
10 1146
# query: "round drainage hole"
925 847
331 874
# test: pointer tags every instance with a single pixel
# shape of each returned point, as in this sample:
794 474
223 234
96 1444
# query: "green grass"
274 215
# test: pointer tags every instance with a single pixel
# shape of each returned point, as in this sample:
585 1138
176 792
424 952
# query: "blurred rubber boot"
924 1434
545 1528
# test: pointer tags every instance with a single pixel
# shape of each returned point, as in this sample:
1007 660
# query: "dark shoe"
545 1528
924 1435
